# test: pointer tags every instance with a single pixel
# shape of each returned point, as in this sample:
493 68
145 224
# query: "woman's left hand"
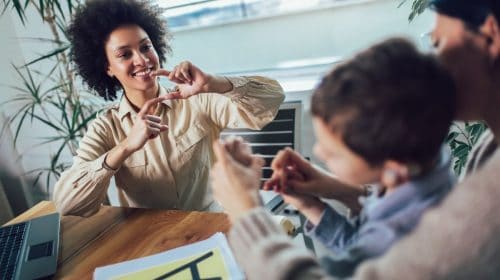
191 80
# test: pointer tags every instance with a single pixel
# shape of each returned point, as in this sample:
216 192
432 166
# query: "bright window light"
192 14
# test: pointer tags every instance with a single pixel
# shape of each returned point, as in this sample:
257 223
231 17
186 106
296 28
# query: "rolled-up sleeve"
334 230
82 188
253 103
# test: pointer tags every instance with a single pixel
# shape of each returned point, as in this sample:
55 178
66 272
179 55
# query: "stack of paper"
208 259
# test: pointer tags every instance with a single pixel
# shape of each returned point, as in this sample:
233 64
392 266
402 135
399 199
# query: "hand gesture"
239 150
294 174
190 80
146 126
235 186
292 171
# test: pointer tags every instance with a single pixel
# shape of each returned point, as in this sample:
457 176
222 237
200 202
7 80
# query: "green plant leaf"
51 140
18 128
41 4
417 8
39 40
461 151
401 3
55 158
475 130
58 5
49 55
19 9
70 6
85 121
47 122
451 136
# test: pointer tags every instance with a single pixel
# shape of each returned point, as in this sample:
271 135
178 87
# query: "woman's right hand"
146 126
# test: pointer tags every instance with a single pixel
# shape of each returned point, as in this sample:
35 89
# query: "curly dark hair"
388 102
91 25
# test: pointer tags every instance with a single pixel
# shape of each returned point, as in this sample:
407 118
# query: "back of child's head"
388 102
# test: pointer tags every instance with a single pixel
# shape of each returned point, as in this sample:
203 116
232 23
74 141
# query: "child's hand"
310 206
280 178
301 201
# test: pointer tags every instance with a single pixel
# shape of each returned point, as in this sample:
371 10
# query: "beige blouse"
171 171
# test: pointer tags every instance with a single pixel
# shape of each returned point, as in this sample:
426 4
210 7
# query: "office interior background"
293 41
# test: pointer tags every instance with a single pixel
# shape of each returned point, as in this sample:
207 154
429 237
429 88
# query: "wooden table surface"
118 234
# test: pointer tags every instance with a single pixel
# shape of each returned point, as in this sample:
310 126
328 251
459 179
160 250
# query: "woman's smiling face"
131 57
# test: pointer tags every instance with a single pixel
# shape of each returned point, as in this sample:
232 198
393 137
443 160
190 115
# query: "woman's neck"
137 97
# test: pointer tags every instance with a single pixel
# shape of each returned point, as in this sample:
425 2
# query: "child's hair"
90 28
388 102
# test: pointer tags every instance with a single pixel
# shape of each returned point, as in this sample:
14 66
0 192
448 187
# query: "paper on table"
210 258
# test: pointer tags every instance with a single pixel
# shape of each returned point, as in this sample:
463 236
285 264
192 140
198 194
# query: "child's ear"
490 29
393 174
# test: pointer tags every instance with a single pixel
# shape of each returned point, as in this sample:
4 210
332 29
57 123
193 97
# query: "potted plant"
50 97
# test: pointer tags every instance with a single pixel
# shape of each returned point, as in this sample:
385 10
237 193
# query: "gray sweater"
460 239
383 220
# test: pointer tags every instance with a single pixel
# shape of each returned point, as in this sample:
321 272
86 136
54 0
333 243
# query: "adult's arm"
252 103
81 189
457 240
266 252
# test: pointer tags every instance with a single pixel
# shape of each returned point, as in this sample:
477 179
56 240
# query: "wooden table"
118 234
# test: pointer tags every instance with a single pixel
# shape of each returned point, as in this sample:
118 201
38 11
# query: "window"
190 13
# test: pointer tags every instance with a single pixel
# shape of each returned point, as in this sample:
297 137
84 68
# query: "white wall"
258 44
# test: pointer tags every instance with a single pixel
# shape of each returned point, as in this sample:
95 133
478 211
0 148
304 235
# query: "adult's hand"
191 81
235 186
239 150
146 125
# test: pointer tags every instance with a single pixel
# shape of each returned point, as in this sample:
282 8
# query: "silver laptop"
28 250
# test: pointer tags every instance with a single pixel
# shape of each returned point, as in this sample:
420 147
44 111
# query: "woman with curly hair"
157 144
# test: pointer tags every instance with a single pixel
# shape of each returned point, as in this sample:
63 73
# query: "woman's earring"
389 178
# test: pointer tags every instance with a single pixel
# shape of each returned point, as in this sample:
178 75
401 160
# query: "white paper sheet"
210 258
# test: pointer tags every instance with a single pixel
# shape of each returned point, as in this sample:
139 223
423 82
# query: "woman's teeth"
142 73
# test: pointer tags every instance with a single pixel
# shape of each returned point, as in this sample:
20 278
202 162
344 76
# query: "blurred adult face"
465 54
342 161
131 57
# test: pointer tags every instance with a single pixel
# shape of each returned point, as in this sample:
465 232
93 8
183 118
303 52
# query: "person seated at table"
157 144
371 127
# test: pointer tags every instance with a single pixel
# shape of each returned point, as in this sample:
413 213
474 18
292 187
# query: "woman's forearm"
117 155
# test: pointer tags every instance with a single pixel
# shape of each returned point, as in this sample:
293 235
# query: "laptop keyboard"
11 238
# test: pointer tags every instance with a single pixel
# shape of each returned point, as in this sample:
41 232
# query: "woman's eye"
124 55
146 48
